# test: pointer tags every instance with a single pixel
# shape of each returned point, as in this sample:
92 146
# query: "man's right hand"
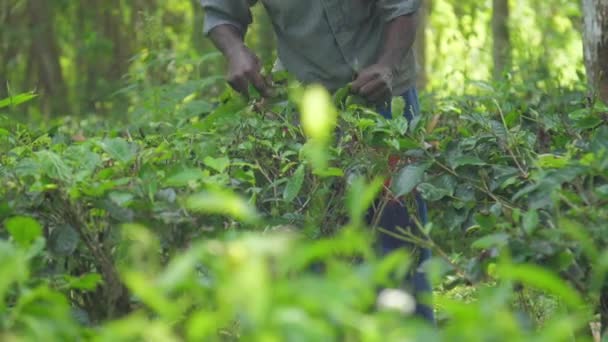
244 68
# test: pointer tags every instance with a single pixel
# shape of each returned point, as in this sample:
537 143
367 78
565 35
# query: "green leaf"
87 282
551 161
467 160
341 94
17 99
53 166
218 164
119 149
602 191
431 192
23 230
329 172
63 240
294 185
487 222
408 178
183 177
498 239
223 203
226 111
398 107
542 279
530 221
360 197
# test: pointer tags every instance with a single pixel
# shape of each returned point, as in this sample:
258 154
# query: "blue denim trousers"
396 215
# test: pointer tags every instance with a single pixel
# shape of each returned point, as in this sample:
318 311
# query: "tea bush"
221 219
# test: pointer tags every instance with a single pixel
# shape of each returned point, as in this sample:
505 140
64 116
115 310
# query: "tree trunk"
117 32
45 53
596 45
420 44
500 32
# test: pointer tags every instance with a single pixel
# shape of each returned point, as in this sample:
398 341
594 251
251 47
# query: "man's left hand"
375 83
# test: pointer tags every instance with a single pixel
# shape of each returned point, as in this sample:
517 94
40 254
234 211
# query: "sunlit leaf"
23 230
17 99
318 113
218 164
223 203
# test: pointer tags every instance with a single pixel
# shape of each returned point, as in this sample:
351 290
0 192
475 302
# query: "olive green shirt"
324 41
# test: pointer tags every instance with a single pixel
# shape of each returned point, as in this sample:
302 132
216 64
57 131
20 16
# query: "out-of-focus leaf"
467 160
183 177
218 164
398 108
17 99
119 149
542 279
86 282
53 166
431 192
223 203
294 185
551 161
23 230
530 221
63 240
493 240
361 196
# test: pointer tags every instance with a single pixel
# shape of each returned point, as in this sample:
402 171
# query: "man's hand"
243 65
375 83
244 68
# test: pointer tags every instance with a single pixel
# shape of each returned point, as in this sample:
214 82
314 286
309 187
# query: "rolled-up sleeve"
233 12
392 9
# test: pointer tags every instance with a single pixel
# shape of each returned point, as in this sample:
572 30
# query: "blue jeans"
396 215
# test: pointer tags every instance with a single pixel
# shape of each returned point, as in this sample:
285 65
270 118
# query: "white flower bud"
396 299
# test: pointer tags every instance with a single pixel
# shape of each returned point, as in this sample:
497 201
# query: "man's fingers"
371 87
259 83
381 94
240 85
361 81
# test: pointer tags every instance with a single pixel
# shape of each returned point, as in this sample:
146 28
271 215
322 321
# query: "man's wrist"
235 50
228 39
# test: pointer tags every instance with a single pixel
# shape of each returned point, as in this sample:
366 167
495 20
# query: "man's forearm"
398 40
227 38
243 65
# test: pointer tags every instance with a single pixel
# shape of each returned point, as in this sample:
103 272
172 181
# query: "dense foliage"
211 222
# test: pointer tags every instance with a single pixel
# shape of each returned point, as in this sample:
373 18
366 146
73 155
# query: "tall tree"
44 55
596 45
501 50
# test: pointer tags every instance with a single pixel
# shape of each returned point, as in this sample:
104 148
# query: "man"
332 42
